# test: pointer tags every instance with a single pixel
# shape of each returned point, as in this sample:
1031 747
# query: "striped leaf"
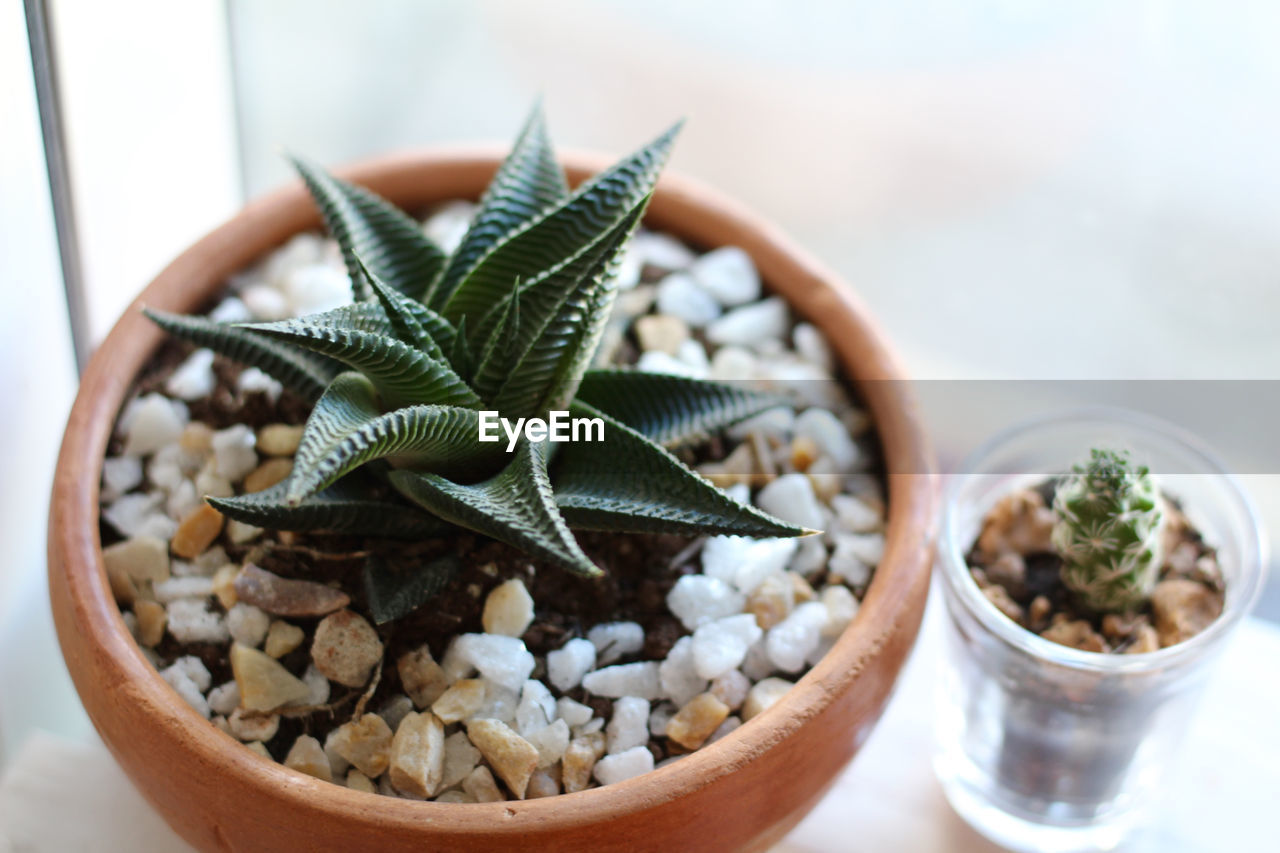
563 316
347 429
299 371
674 411
528 183
627 483
345 507
394 590
390 243
403 375
561 232
515 506
410 321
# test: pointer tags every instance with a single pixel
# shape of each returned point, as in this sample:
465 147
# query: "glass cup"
1045 747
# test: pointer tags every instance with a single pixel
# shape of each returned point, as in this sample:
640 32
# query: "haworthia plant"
509 322
1108 532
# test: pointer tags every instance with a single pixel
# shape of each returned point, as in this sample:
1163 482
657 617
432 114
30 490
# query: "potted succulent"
1087 599
531 510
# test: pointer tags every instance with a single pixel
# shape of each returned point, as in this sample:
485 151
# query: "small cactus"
1108 532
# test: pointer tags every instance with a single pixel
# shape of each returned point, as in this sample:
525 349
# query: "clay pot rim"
909 535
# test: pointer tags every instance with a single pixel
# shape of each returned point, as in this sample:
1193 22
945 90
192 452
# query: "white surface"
1220 798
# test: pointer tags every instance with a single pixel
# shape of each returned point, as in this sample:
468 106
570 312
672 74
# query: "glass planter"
1041 746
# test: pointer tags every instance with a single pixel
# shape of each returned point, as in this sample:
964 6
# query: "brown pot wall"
743 792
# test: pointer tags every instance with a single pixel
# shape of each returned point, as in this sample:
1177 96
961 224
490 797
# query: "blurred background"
1084 190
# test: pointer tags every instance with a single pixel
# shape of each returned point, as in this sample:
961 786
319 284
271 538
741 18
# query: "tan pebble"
357 781
801 589
279 439
421 677
999 596
196 437
661 333
1038 613
695 722
1145 639
221 724
455 796
252 726
417 755
1019 522
481 785
307 756
460 701
123 588
731 688
804 452
287 597
508 609
762 695
267 475
512 757
842 607
142 558
824 475
260 748
579 760
283 638
460 758
196 532
771 601
1076 633
543 783
366 743
264 684
151 621
224 585
1182 609
346 648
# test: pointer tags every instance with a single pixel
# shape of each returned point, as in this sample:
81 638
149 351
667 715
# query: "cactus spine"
1108 532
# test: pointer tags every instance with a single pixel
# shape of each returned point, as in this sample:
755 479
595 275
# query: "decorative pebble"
503 660
763 695
678 675
346 648
264 684
727 274
841 608
460 758
512 757
481 786
248 625
279 439
695 722
721 645
743 561
791 641
697 599
191 621
225 698
395 709
150 422
307 756
627 679
661 333
616 640
268 474
771 601
573 713
142 558
551 741
233 452
812 346
1182 608
421 677
680 296
416 765
731 688
791 498
508 610
830 435
748 325
461 701
247 726
537 707
176 588
138 514
567 665
151 622
365 743
119 475
193 378
254 381
357 781
282 638
623 766
543 783
179 678
287 597
580 759
629 726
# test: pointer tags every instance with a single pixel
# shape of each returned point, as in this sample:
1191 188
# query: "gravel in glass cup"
1045 747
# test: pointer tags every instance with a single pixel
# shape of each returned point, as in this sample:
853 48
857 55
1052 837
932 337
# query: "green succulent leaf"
564 314
515 506
628 483
347 429
561 232
345 507
393 591
672 410
390 243
528 182
460 352
296 369
403 375
410 321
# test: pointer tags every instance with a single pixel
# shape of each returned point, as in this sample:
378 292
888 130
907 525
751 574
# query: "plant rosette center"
521 500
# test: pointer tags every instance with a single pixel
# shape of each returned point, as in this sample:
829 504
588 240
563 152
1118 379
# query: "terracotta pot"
743 792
